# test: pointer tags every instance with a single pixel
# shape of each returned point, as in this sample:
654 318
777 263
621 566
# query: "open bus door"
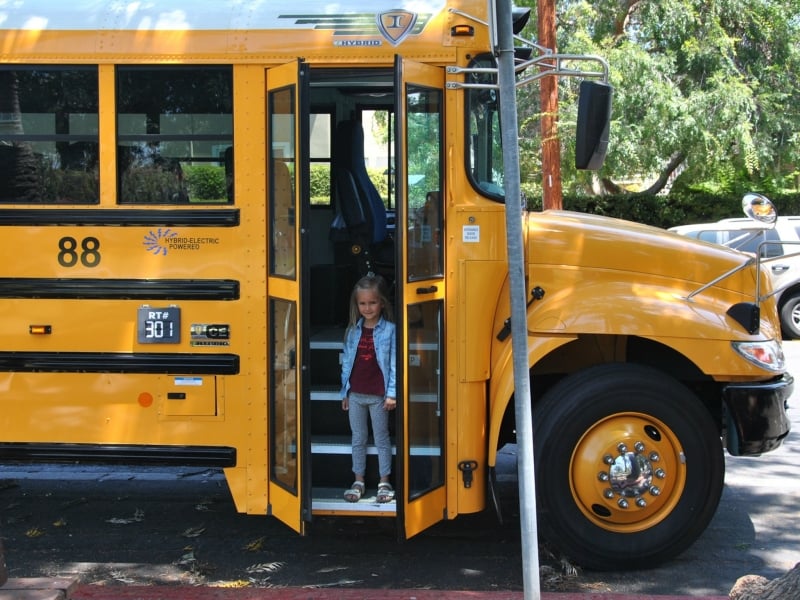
287 178
420 282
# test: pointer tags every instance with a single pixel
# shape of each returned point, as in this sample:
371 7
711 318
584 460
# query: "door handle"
780 268
431 289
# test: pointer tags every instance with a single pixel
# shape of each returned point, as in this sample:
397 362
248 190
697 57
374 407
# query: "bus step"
330 501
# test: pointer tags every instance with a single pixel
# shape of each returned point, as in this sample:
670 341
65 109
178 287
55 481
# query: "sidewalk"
68 589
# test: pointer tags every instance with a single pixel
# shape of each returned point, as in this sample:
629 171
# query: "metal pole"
519 320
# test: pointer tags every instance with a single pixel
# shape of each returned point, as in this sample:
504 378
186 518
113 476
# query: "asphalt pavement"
754 532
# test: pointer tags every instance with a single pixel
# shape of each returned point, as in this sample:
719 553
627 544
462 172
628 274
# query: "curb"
184 593
37 588
69 589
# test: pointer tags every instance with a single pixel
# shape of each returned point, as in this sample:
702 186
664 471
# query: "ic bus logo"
395 25
157 242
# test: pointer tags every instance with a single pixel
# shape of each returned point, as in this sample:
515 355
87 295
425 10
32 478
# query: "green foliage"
151 185
711 81
320 182
381 181
667 211
205 182
74 186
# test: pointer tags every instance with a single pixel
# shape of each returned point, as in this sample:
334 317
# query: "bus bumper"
756 419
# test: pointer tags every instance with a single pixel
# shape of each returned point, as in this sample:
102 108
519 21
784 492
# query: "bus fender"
501 384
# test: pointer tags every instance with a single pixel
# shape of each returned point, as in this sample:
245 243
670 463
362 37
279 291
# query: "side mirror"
759 208
594 117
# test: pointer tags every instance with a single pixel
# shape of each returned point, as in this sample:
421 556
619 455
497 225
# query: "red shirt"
366 376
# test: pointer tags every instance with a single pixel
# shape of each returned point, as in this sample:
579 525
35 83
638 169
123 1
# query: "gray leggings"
362 407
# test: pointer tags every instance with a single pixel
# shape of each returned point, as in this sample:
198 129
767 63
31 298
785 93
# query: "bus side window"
49 134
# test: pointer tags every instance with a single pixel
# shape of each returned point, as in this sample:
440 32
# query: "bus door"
287 180
420 282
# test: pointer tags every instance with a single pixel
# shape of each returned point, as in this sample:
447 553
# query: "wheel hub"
631 475
627 472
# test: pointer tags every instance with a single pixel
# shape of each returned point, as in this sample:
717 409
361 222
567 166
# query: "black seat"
360 220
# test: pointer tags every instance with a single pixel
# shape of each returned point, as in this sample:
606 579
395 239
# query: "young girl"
368 381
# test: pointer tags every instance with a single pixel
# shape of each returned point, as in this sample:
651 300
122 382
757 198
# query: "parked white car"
783 259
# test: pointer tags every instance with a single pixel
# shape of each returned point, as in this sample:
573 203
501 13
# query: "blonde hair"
374 283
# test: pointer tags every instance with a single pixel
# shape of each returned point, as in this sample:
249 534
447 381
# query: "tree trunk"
17 159
755 587
548 93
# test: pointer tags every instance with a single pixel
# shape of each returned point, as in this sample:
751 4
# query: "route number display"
158 325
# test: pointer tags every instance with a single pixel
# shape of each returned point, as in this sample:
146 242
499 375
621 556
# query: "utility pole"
548 94
507 84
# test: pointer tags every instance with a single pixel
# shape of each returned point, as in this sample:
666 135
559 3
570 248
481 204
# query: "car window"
707 236
747 240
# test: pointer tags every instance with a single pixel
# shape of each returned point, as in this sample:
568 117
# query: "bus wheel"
629 467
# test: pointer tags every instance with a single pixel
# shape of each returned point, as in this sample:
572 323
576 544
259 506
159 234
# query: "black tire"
790 318
579 423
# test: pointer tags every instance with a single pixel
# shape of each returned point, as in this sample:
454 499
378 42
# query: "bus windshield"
484 150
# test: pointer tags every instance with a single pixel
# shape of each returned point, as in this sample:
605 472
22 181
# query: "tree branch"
664 178
621 22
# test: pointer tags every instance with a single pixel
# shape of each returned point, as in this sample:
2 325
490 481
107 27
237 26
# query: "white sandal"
385 493
355 492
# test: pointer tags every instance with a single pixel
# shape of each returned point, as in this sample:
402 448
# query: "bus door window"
282 193
283 394
423 224
423 218
424 238
425 419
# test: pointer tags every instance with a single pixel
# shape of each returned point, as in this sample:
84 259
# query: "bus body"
175 286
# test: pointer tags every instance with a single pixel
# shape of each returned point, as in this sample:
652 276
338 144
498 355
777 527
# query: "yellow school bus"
187 196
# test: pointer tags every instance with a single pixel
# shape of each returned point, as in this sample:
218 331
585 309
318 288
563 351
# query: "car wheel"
629 467
790 318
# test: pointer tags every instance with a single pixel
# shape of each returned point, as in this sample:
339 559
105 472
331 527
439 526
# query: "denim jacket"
385 350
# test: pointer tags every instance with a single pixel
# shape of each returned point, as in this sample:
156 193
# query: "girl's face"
369 306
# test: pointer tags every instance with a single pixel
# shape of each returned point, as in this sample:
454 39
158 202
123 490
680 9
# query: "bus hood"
613 255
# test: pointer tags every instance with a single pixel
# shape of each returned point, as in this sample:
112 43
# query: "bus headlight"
767 355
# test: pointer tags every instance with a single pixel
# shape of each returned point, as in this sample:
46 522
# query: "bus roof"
202 31
182 15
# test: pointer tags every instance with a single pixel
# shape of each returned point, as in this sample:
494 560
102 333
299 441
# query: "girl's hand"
345 404
389 403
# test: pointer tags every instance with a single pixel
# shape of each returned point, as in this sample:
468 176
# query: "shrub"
205 182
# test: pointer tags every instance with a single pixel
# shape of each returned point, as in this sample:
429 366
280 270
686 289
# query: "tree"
17 160
703 89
